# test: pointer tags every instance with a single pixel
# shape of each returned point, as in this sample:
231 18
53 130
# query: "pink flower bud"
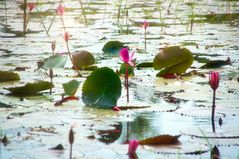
66 36
31 6
214 80
145 25
133 144
60 10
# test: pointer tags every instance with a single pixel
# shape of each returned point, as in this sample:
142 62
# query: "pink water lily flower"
125 57
145 25
214 80
31 5
60 10
133 144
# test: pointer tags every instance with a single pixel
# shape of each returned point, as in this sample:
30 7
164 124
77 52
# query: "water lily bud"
51 73
53 46
214 80
133 144
71 136
60 10
66 36
31 6
145 25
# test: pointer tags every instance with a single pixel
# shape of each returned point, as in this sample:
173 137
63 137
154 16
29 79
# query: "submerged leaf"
54 61
173 59
113 47
83 59
102 88
71 87
3 105
31 88
160 140
8 76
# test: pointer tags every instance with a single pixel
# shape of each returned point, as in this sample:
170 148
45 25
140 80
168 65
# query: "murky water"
178 107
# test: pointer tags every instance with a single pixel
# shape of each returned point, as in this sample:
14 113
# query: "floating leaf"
173 59
160 140
8 76
71 87
31 88
217 63
58 147
83 59
54 61
113 47
123 68
102 88
132 107
3 105
145 64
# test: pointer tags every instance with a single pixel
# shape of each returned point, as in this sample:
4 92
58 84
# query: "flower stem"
145 40
213 111
24 16
127 80
71 151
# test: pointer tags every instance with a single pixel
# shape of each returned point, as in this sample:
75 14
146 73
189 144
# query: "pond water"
34 125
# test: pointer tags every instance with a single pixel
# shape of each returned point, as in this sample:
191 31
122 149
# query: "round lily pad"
113 47
102 88
83 59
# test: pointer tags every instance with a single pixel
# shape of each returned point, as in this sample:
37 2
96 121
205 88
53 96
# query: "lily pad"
160 140
83 59
102 88
71 87
145 64
216 63
31 88
54 61
8 76
123 69
113 47
173 59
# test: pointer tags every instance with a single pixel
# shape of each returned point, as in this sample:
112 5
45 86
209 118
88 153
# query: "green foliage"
123 68
31 88
83 59
54 61
173 59
102 88
113 47
71 87
8 76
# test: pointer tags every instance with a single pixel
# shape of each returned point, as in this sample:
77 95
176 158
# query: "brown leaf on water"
160 140
43 129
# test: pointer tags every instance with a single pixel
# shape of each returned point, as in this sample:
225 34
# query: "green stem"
145 43
213 111
24 16
71 151
83 11
127 80
6 11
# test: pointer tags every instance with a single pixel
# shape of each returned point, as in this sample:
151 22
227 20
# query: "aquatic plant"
71 141
214 83
51 78
145 26
31 6
127 59
60 11
53 46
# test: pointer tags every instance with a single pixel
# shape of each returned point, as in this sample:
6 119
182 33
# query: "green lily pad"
31 88
173 59
130 70
216 63
145 64
54 61
8 76
71 87
113 47
3 105
83 59
102 88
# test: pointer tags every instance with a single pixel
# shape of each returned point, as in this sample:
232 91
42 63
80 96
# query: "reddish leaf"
65 100
160 140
